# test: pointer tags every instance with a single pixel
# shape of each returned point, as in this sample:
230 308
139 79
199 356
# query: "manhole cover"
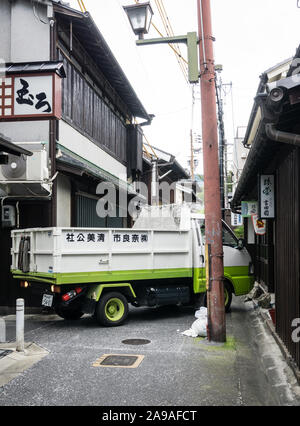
136 342
115 360
4 353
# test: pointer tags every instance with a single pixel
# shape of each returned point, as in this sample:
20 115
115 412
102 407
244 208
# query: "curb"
281 345
15 363
275 363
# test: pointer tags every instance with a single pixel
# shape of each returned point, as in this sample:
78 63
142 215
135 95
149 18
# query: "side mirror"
241 244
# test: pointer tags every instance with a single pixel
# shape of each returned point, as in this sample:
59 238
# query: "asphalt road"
176 370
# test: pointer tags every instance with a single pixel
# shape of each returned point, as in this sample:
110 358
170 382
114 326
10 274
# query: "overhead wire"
81 5
183 63
176 50
169 30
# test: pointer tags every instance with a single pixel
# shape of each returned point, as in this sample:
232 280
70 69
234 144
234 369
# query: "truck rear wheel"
112 309
69 313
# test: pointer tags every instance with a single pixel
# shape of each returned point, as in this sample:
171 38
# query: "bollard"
20 325
2 331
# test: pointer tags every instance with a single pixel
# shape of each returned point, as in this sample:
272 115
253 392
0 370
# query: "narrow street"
176 370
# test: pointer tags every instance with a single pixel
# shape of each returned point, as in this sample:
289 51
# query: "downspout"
279 136
53 129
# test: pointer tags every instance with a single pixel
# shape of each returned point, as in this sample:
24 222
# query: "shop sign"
249 208
30 97
266 197
236 219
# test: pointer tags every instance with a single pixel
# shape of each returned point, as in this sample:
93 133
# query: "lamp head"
140 16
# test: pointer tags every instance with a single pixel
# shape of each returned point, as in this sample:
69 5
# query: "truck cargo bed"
81 255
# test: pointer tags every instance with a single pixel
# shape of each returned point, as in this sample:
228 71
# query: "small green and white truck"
160 261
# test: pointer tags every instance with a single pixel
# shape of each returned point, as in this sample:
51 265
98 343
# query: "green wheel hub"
226 296
114 309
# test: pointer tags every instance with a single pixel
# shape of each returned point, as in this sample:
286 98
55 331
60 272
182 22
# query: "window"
228 237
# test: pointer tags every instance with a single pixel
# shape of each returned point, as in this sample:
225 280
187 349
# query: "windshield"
228 237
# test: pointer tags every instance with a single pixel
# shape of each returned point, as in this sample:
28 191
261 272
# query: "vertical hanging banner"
266 197
259 225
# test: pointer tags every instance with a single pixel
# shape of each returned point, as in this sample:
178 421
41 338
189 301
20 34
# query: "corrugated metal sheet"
33 67
11 148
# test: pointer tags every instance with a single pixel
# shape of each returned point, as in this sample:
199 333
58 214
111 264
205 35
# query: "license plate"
47 300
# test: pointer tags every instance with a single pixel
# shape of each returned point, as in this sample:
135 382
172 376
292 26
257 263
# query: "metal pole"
154 184
2 331
192 156
221 145
213 224
20 325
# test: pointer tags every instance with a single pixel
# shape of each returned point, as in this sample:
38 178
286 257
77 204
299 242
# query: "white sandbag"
201 313
199 326
189 333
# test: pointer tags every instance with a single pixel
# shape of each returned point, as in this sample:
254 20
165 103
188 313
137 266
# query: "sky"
251 36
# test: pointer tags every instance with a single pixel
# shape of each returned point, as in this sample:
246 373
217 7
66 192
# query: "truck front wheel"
112 309
227 296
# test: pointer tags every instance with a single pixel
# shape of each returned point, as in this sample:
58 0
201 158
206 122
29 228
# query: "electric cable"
178 54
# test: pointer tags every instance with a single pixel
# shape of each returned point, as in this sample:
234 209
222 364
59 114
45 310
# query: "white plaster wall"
30 36
5 30
63 201
80 145
24 38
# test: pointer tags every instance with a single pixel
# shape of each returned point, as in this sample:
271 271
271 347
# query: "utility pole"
213 224
219 86
192 155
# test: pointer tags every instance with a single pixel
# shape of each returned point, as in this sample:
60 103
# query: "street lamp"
140 17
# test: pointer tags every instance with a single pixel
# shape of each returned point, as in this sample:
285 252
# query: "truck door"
198 259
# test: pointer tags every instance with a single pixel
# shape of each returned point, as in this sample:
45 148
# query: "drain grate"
4 353
116 360
136 342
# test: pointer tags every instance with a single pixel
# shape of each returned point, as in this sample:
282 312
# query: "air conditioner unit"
24 175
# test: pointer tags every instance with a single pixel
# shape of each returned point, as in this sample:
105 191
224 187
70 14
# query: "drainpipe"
279 136
53 130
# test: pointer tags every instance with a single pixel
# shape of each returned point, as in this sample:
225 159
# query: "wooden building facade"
273 137
96 140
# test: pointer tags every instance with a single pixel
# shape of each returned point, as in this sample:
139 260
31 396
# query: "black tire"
227 294
112 309
69 313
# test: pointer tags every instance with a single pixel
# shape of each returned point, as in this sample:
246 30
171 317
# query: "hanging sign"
266 197
259 225
30 97
249 208
236 219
